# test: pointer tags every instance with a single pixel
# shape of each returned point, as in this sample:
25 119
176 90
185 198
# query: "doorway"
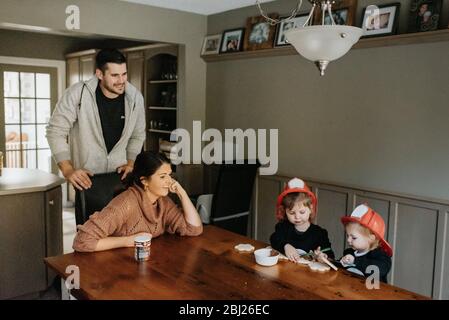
28 95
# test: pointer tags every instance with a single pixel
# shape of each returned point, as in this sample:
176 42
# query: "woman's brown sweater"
132 212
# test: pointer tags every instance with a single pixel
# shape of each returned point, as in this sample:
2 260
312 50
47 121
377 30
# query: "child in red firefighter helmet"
368 250
295 233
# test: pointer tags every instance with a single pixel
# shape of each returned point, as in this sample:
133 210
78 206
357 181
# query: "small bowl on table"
266 257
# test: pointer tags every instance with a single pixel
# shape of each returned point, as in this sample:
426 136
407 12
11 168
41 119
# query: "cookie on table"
244 247
319 267
304 261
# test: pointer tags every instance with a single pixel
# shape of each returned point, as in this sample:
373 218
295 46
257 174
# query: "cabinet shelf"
159 131
162 81
162 108
375 42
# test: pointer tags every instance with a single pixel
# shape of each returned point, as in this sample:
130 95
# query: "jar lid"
142 238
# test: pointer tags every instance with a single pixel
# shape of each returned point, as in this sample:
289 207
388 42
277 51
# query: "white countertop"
15 180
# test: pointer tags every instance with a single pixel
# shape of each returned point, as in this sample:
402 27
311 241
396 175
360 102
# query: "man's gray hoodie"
80 123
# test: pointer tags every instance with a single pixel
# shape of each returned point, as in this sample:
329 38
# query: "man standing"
98 126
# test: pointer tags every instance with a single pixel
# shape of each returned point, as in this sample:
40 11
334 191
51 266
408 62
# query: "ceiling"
204 7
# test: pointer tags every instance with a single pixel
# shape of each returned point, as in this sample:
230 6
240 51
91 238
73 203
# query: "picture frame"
380 20
211 44
259 33
232 40
343 13
296 22
424 15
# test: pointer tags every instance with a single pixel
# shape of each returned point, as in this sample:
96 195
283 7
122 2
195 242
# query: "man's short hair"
105 56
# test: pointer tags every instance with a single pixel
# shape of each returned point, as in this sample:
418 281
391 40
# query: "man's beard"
113 89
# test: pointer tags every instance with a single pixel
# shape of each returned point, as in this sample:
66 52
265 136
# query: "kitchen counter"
30 230
19 180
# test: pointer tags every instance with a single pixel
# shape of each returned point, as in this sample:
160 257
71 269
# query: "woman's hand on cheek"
175 187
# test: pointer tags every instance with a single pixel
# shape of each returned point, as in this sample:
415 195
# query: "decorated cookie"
317 266
244 247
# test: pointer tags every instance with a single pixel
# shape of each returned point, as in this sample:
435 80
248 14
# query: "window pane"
28 136
12 159
44 160
12 135
12 112
29 159
41 139
28 111
11 84
27 85
43 110
42 85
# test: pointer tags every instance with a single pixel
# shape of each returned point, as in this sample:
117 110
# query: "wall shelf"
375 42
162 108
159 131
162 81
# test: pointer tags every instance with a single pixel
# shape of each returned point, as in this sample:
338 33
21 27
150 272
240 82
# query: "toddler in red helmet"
295 234
365 230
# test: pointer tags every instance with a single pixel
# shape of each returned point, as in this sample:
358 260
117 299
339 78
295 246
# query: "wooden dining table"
208 267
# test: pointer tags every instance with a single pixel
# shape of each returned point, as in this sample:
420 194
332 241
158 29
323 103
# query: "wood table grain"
208 267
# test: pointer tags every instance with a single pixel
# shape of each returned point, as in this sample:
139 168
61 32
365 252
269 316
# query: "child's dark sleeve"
375 258
325 243
279 238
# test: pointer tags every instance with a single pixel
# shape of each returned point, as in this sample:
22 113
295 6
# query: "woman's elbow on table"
193 231
84 245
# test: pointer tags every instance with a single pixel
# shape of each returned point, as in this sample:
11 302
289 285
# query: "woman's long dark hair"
146 164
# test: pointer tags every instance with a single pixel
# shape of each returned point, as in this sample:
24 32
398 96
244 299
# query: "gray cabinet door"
22 249
135 63
73 71
53 227
87 67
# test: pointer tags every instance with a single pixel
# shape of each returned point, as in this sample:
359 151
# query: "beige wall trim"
283 177
81 53
150 46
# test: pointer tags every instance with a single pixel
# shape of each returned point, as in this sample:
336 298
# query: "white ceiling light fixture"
319 43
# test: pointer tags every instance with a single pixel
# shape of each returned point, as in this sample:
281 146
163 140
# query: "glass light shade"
323 42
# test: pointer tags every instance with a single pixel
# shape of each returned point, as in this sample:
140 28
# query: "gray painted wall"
112 18
378 119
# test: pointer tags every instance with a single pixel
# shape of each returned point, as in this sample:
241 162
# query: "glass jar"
142 246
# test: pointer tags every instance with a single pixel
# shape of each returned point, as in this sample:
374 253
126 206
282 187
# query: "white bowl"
264 258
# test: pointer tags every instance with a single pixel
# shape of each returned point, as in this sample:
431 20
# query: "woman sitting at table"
142 209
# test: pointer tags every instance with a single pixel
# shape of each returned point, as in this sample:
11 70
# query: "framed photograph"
296 22
259 33
380 20
343 13
232 40
211 44
424 15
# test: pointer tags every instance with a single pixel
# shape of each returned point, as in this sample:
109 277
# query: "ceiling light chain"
274 22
